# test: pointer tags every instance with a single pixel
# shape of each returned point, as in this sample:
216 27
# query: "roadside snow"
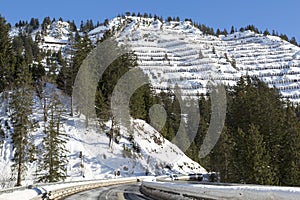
249 192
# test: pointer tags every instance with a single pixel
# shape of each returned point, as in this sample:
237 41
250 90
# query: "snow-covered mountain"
170 53
178 53
175 52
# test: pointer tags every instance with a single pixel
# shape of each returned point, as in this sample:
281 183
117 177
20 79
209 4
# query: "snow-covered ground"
249 192
156 155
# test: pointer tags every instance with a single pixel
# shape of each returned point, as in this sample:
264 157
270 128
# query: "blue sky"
283 16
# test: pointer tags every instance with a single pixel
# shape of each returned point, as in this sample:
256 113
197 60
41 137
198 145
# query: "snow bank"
249 192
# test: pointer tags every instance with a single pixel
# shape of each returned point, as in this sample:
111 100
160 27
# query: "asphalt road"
119 192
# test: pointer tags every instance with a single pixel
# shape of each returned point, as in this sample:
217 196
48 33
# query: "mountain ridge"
178 53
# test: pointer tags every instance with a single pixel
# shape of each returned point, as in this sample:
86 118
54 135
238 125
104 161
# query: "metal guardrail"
21 188
70 187
67 191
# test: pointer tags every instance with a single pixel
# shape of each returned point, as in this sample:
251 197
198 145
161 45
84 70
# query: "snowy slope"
169 53
57 36
156 156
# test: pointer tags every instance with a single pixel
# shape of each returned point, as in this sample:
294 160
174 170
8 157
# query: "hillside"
143 152
175 52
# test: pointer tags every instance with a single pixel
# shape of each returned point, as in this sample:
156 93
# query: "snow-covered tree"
53 160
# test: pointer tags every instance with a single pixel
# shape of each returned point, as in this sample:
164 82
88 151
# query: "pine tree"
34 23
38 71
225 32
239 155
269 104
107 84
253 102
293 41
149 99
45 24
205 113
290 148
101 106
232 30
21 104
166 102
54 159
157 115
140 102
64 78
82 47
257 159
106 22
266 32
137 105
24 44
284 37
7 60
190 125
218 32
221 158
73 27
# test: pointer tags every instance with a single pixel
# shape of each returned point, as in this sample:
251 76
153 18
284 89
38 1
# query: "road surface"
117 192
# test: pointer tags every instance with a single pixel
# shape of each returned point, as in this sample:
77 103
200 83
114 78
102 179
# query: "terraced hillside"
177 53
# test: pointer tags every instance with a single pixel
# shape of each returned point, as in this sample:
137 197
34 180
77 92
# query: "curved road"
116 192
